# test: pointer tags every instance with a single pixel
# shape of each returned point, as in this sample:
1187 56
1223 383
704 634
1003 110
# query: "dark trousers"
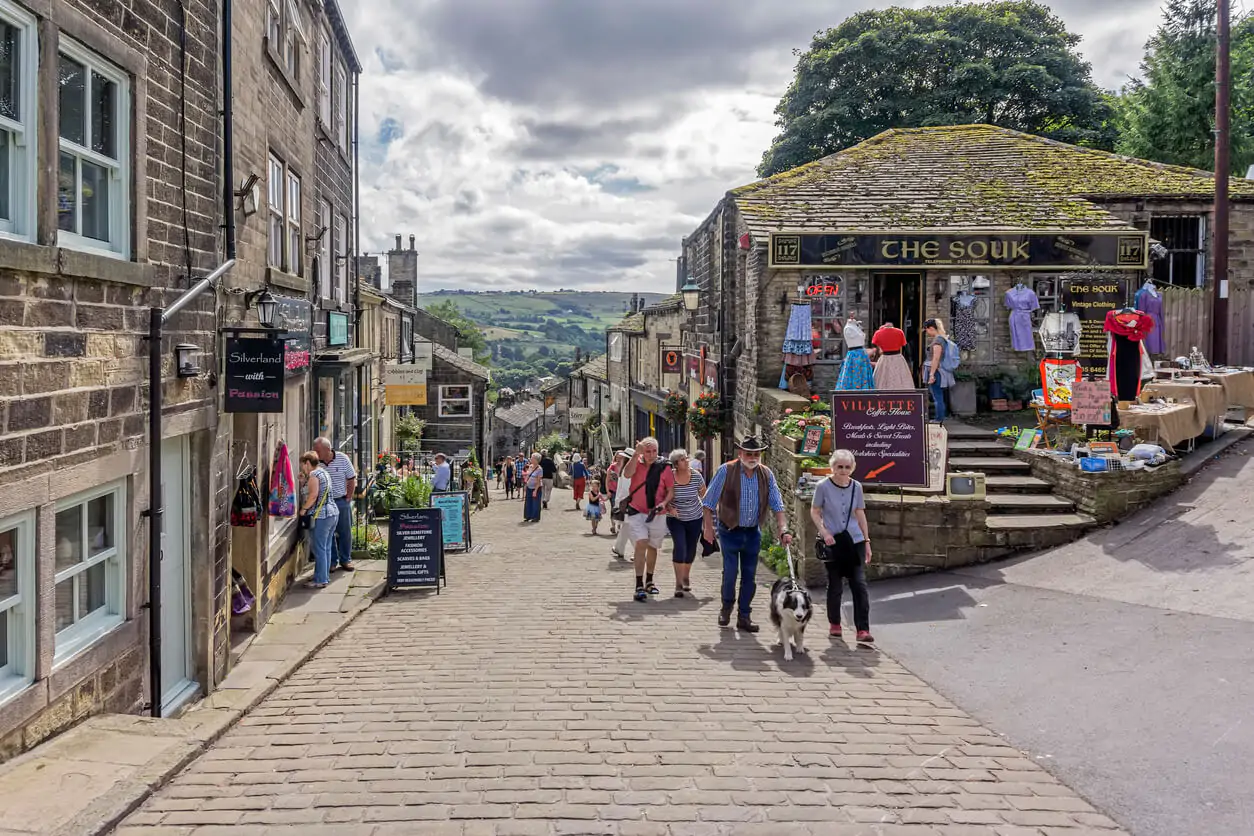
740 548
342 539
684 538
837 572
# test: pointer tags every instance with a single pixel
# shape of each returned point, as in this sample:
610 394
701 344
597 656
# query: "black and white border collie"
791 609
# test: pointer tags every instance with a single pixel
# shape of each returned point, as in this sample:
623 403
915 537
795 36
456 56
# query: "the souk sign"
1004 250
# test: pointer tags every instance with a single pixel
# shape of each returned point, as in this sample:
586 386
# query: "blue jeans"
320 541
740 548
343 538
938 398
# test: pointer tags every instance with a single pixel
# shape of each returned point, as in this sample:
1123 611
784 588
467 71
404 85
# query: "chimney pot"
411 242
398 243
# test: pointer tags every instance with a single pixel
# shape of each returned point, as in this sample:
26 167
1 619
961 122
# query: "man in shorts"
652 486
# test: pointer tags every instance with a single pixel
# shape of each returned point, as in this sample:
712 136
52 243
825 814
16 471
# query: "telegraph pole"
1223 140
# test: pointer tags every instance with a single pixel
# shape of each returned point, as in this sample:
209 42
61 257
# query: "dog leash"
792 571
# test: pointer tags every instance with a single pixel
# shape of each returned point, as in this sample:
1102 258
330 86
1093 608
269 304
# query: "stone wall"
1105 496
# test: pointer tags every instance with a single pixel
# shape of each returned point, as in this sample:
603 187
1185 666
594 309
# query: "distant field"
603 309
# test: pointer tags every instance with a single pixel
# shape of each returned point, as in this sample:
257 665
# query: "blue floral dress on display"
856 371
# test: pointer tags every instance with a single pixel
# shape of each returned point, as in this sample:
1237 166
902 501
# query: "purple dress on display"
1151 303
1021 301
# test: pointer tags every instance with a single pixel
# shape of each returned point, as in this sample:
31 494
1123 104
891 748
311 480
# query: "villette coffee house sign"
254 374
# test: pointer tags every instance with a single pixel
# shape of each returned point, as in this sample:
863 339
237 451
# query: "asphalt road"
1124 663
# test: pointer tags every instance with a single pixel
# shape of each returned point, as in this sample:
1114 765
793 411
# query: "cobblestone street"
533 696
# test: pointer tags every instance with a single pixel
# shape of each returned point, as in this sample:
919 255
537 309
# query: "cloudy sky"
573 143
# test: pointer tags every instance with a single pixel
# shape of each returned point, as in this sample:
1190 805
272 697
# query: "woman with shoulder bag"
320 515
839 512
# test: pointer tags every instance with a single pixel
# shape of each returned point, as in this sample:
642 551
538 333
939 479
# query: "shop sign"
1036 250
254 374
887 432
579 415
293 316
672 361
455 518
711 375
694 366
415 547
337 328
812 442
1090 299
1090 403
404 384
423 355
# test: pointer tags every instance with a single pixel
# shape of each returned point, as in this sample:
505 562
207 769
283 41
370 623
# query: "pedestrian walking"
741 497
652 485
520 468
548 472
508 469
320 516
684 519
442 474
343 487
698 462
533 490
579 478
839 512
498 468
595 499
612 482
935 374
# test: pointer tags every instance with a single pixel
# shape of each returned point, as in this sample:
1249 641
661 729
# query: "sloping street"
533 696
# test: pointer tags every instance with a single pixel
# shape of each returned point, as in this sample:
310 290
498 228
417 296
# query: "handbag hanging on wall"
282 485
246 506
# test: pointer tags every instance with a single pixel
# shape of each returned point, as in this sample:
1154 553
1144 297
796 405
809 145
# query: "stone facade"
1106 497
73 369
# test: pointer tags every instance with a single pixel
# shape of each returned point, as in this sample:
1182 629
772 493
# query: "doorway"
177 685
898 298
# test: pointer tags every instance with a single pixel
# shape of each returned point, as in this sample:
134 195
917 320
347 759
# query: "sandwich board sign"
455 518
415 548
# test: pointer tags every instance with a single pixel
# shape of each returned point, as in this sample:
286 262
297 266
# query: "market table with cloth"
1238 385
1164 424
1210 399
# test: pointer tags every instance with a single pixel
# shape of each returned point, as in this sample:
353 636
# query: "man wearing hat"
740 499
443 474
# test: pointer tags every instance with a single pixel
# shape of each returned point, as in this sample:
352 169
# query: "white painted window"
294 255
293 38
90 566
455 402
93 203
274 23
274 252
324 251
616 346
324 78
341 105
19 63
17 603
341 258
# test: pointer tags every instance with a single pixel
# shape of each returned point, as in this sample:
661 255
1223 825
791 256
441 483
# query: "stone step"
1019 503
1022 522
1010 485
980 447
1006 464
966 431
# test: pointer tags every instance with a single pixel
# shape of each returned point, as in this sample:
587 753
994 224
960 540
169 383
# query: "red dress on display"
1126 330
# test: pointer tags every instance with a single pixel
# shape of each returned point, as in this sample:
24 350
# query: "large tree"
1169 114
470 335
1010 63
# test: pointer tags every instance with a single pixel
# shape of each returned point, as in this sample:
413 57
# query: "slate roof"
965 176
459 362
520 414
672 301
593 368
633 323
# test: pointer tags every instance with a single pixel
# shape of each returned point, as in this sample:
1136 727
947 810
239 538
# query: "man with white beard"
741 497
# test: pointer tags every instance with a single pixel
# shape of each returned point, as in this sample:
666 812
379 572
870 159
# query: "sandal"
679 592
687 587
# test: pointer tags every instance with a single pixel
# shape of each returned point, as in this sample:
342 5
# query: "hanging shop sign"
579 415
254 374
887 432
455 518
1090 403
293 316
694 366
710 374
337 328
1034 250
672 361
415 547
423 355
1090 299
404 384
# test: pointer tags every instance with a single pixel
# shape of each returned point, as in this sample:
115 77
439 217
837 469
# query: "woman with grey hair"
839 513
698 462
533 490
684 518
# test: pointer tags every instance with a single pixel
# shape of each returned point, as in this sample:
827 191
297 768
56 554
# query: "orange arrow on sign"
879 470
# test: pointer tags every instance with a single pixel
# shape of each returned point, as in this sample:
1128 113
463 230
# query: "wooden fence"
1187 322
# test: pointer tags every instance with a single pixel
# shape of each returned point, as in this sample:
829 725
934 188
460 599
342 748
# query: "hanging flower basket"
676 408
706 417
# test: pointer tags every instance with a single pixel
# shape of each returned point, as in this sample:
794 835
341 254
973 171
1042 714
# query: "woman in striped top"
684 519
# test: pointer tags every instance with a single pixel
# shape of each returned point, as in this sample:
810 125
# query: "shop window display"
970 307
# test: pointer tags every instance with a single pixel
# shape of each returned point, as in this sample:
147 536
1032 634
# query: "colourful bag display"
246 506
282 486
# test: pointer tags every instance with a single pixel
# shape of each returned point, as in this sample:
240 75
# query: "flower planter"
820 471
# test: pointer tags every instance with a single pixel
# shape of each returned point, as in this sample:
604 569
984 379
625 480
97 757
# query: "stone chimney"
398 243
370 271
411 242
403 273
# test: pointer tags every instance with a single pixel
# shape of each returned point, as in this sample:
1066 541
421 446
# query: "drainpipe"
361 372
157 318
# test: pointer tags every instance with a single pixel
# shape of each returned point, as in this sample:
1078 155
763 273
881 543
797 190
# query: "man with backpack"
943 360
652 488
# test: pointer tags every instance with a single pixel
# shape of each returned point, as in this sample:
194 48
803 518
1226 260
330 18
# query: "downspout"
361 371
157 318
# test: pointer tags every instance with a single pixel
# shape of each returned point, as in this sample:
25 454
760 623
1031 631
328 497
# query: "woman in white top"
855 371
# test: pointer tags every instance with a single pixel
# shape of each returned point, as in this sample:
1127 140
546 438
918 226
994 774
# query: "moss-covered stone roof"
593 368
965 176
632 323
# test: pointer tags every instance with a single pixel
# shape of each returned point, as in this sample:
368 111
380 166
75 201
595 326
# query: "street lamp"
692 294
267 305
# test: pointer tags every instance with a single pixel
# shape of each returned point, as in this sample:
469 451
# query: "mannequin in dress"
856 371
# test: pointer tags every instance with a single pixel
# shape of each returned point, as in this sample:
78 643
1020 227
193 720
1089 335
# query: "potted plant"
675 407
816 465
705 419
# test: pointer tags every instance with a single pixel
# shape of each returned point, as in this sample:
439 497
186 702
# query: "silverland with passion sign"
887 431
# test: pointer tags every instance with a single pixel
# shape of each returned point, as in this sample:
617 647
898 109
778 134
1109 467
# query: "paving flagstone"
533 696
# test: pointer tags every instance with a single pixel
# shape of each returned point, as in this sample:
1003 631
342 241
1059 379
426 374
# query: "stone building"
588 392
515 428
93 234
621 345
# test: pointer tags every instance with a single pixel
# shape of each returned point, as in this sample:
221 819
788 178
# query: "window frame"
293 37
19 672
468 399
119 169
291 228
341 105
276 187
70 641
325 258
22 133
325 72
1199 252
341 258
827 310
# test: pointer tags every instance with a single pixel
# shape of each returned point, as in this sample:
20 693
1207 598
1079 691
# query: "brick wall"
1105 496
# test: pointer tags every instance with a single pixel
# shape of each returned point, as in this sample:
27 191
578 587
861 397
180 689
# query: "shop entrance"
176 682
898 298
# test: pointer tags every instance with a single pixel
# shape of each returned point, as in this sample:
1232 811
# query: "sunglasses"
843 467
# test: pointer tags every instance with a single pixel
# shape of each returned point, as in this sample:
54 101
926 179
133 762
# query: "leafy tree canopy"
1010 63
470 335
1169 114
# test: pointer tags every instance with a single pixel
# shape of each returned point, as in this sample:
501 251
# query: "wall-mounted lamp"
185 359
250 195
859 288
692 295
266 304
